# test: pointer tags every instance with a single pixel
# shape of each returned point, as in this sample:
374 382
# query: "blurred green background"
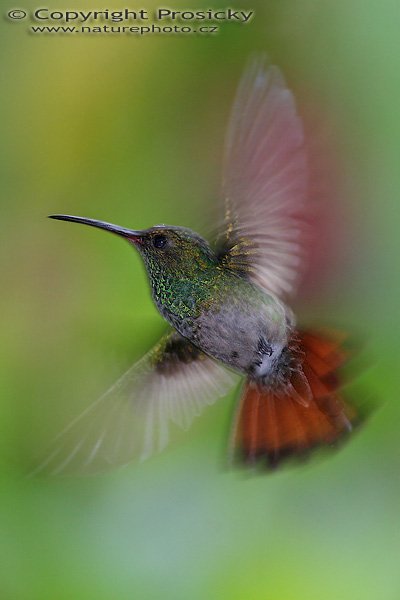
131 130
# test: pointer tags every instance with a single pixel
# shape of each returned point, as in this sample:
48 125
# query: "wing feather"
265 181
132 420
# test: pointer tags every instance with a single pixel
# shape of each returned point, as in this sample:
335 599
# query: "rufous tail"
277 422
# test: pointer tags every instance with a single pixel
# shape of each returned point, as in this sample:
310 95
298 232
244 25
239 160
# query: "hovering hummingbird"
226 308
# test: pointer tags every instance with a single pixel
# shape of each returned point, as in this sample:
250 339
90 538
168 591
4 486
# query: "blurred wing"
265 181
172 383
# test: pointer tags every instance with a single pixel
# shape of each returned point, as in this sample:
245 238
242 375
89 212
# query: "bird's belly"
245 339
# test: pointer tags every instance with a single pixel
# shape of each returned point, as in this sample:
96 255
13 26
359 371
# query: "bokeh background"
131 130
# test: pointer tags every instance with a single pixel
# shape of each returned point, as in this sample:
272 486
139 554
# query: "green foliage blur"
130 130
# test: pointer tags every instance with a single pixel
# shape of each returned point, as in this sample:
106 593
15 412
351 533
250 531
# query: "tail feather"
308 412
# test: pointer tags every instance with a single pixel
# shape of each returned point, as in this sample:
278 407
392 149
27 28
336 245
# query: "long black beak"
131 234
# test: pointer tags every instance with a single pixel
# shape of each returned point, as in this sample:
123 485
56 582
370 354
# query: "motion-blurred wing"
172 383
264 181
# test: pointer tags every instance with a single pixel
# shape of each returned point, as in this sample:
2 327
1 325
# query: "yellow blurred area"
130 129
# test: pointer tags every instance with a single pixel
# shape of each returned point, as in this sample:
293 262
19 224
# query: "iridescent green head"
165 247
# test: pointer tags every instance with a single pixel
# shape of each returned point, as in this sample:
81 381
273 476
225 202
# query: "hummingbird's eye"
159 241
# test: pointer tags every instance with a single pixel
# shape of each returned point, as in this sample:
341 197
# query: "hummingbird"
227 308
